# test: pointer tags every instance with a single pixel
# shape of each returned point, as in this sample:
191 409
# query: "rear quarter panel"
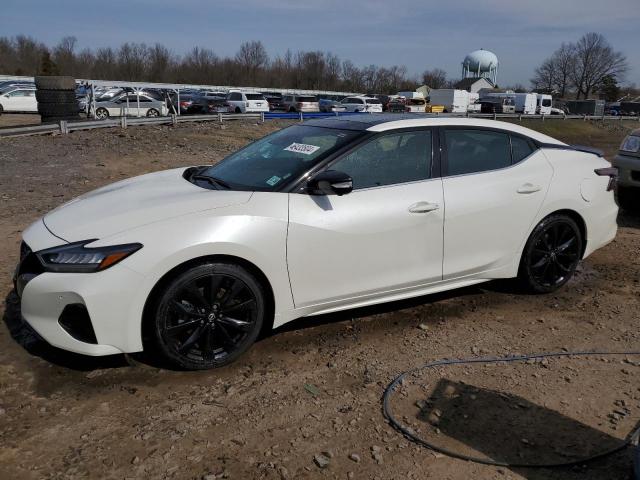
575 186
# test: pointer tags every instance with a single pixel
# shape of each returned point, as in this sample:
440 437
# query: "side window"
472 151
521 148
389 159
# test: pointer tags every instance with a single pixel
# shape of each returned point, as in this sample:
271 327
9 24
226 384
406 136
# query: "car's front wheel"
102 114
208 315
551 254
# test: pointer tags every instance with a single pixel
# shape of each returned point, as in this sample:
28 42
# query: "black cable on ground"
630 440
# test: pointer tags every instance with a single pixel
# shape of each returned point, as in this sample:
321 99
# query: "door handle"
529 188
423 207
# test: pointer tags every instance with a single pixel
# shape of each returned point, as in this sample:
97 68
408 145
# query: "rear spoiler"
576 148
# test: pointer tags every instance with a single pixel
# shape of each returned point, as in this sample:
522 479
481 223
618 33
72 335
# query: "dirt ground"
310 394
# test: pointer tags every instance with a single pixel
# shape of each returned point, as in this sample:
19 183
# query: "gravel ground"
305 402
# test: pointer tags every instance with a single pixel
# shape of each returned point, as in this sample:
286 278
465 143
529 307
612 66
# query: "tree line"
581 69
250 66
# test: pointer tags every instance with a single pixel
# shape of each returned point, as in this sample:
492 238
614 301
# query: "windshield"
546 102
270 162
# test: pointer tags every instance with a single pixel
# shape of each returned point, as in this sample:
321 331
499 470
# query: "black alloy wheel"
551 254
209 315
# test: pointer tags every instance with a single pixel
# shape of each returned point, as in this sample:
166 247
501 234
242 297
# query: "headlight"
631 144
76 257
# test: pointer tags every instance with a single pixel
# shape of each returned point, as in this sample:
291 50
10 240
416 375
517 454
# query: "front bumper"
109 298
628 170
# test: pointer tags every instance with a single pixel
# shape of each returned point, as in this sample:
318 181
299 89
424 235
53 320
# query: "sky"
420 34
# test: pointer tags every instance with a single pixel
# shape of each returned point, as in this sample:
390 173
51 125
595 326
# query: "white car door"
385 235
16 101
494 184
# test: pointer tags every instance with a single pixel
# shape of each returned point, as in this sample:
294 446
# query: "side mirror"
330 182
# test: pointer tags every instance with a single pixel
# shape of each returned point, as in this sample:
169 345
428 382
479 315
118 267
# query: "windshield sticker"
302 148
273 180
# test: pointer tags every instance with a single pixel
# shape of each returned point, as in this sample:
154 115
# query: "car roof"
392 121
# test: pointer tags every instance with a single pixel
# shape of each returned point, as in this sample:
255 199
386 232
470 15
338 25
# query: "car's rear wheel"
551 254
208 315
152 112
102 113
237 110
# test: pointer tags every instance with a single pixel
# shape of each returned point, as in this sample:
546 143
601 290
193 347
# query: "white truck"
526 103
453 101
544 104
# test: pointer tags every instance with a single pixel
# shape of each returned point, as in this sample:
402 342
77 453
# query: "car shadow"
381 308
27 338
504 427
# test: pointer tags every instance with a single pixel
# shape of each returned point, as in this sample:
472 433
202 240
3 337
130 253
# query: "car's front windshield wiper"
212 180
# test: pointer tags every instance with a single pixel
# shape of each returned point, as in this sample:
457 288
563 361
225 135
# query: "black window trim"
535 146
299 185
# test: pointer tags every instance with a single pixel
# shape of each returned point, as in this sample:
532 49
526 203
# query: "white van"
526 103
544 104
453 101
247 102
362 104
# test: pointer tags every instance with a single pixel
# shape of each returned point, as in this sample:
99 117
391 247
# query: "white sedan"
327 215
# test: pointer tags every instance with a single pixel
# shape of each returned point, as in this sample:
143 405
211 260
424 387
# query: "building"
474 85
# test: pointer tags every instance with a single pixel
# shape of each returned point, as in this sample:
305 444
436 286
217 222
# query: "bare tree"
564 62
64 55
594 60
435 78
253 57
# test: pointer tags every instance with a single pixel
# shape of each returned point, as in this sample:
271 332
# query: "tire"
551 254
629 198
55 83
237 110
1 109
191 322
57 109
62 117
152 112
292 110
102 113
55 96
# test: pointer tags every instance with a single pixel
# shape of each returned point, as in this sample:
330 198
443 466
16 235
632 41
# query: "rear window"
307 99
546 102
417 101
373 101
254 96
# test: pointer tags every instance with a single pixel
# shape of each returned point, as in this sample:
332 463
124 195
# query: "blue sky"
418 34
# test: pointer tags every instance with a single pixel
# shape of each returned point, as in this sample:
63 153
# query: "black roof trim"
360 122
577 148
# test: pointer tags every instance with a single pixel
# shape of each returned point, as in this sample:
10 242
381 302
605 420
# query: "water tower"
481 63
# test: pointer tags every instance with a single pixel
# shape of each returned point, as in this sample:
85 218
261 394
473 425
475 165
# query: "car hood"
135 202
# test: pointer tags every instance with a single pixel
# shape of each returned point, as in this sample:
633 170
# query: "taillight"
246 104
611 172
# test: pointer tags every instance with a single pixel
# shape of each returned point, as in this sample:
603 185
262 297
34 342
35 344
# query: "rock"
423 326
475 350
354 457
375 449
377 457
135 460
321 460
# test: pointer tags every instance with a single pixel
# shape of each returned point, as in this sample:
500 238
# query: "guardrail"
65 127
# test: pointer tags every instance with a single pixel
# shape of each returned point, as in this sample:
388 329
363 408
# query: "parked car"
362 104
189 103
19 99
497 105
8 86
275 101
149 107
194 263
396 105
300 103
415 105
628 164
218 105
328 106
247 102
